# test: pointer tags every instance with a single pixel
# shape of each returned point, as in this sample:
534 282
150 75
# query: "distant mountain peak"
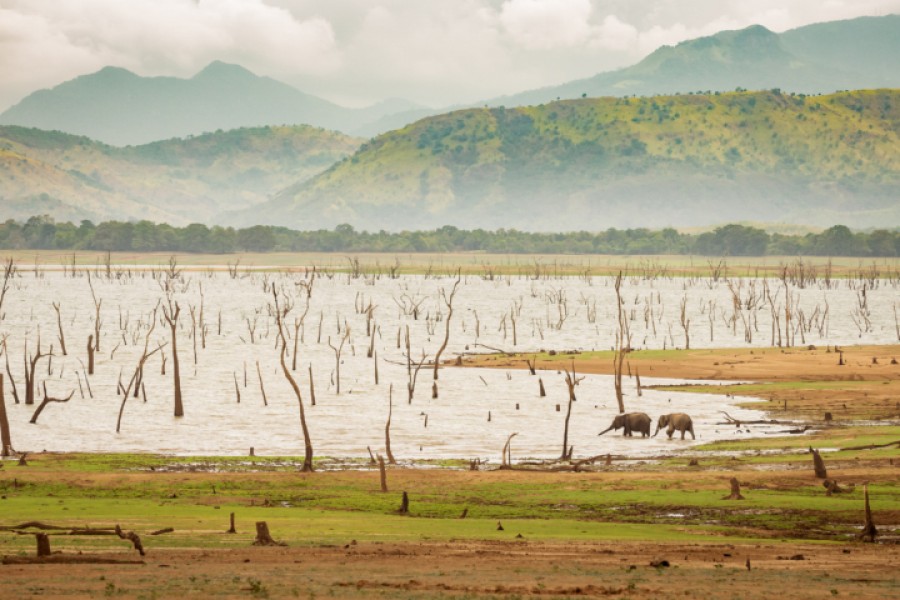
218 69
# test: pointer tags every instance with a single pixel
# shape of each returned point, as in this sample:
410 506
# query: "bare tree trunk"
171 316
623 342
262 388
387 427
448 300
571 382
307 442
30 367
6 448
404 505
232 528
62 336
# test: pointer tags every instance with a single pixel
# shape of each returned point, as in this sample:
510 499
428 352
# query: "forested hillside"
625 162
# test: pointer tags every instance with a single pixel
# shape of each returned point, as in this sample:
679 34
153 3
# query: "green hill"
176 181
642 162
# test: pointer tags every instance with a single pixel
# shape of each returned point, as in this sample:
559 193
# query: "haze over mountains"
581 164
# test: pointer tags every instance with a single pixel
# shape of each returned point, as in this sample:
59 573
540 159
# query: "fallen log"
133 538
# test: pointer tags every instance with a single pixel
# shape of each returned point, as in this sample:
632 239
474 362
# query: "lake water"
572 313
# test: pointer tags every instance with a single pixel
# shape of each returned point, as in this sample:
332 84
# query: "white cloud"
434 51
547 23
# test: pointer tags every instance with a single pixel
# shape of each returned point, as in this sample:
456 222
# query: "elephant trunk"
657 431
605 430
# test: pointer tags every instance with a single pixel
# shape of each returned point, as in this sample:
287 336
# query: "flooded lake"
476 409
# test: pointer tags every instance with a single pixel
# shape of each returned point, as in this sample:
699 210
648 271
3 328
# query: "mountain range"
118 107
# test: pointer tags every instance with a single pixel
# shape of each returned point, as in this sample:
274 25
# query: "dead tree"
387 427
47 400
337 356
818 464
412 374
280 314
623 343
506 453
404 505
171 313
869 531
448 300
262 388
97 323
12 382
571 382
90 353
6 448
30 367
62 336
9 271
135 379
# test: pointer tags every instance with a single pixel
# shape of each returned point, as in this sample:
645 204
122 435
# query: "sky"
355 52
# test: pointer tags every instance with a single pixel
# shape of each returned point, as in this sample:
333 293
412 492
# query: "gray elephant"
631 422
675 421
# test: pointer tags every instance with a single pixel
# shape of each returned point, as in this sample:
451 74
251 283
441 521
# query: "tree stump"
818 464
869 531
383 473
262 536
232 529
735 490
404 505
43 544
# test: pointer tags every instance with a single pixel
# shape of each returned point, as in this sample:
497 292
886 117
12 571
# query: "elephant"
675 421
635 421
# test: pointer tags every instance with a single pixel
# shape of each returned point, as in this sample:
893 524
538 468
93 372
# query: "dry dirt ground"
812 380
480 570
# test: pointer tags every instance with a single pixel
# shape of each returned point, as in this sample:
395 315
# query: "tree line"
43 232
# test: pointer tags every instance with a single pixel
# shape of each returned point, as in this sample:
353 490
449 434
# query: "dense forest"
42 232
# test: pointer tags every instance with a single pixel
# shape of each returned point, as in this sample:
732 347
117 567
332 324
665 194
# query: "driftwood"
68 559
133 538
831 487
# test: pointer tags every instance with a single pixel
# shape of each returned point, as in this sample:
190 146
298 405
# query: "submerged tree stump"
735 491
263 538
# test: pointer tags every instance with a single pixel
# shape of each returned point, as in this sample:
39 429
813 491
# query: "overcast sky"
435 52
